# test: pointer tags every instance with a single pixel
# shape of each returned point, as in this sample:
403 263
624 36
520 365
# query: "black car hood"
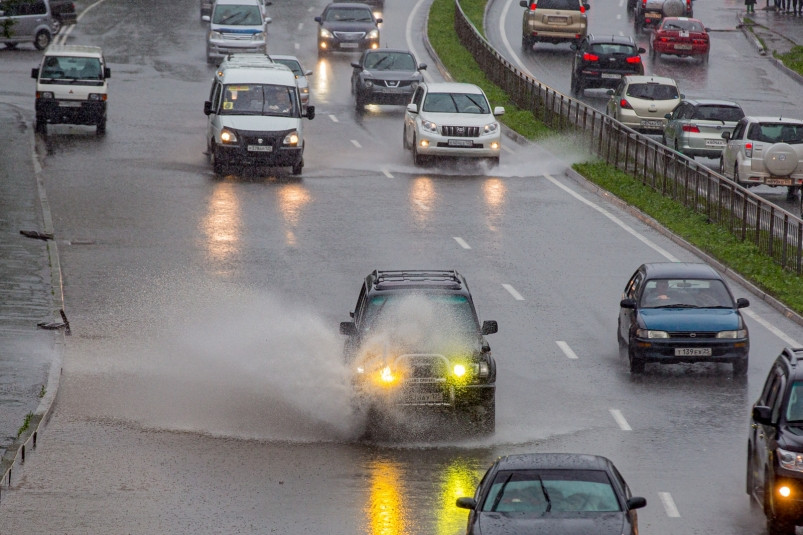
551 524
391 75
349 26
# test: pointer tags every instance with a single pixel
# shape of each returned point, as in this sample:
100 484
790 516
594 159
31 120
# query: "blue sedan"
674 312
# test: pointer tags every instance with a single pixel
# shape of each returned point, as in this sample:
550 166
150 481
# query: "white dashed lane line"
620 420
512 291
334 118
356 143
387 173
300 26
566 349
669 505
462 243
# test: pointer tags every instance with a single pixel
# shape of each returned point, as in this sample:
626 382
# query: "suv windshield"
777 133
258 99
71 68
652 91
559 4
454 311
456 103
237 15
718 113
389 61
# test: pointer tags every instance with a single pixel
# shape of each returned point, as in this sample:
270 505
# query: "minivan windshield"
237 15
259 99
69 68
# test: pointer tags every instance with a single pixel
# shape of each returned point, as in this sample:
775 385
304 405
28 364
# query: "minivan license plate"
260 148
692 351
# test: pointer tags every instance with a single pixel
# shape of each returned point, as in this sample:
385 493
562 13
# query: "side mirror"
636 502
682 95
379 21
524 3
206 18
708 30
208 108
628 303
762 415
355 64
348 328
742 303
726 136
35 73
499 110
107 72
318 20
610 92
490 327
268 20
573 46
308 73
667 116
466 503
422 66
310 112
641 50
412 108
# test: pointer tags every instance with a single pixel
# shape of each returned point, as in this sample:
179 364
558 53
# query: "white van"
71 87
236 26
255 117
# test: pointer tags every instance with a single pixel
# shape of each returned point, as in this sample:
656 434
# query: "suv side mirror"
499 110
490 327
318 20
628 303
641 50
742 303
310 112
466 503
636 502
587 6
349 328
355 64
412 108
208 108
762 415
667 115
206 18
422 66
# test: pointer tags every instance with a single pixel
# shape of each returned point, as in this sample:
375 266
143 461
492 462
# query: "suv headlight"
291 139
741 333
228 136
647 333
490 128
373 34
429 126
790 460
326 34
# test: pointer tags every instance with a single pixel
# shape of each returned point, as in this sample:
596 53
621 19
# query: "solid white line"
512 291
387 173
566 349
462 243
81 15
507 150
620 420
334 118
408 36
669 505
506 43
771 328
356 143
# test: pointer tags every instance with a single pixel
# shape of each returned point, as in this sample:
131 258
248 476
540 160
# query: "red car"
680 36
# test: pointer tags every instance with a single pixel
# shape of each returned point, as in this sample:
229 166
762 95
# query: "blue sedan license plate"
692 351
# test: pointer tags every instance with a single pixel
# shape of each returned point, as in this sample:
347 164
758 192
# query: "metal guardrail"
775 231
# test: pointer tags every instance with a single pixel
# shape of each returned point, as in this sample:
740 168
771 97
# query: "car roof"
74 50
772 119
283 56
417 279
648 78
452 87
560 461
682 18
267 74
347 4
238 2
607 38
711 102
387 49
665 270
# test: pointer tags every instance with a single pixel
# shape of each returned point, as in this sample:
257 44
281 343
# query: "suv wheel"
487 417
42 39
526 43
40 126
218 165
577 86
100 129
417 158
359 101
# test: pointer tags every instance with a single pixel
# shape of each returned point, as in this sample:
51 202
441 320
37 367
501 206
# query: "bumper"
701 146
672 48
433 397
385 95
221 49
240 155
551 36
596 79
749 176
332 44
709 350
648 125
70 112
791 507
429 144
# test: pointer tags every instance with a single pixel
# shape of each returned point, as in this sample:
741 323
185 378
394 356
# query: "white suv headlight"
214 35
490 128
429 126
790 460
373 34
259 36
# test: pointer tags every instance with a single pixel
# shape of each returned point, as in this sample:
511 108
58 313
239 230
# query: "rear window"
718 113
776 133
685 25
613 49
559 4
652 91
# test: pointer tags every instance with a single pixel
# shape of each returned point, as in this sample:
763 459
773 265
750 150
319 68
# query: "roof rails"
448 279
790 353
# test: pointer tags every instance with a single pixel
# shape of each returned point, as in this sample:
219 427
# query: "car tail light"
691 128
634 59
590 57
582 9
625 104
748 150
532 7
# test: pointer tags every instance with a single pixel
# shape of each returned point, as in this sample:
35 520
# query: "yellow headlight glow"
459 370
387 375
784 491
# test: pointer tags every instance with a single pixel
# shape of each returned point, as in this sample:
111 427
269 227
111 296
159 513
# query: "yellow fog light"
424 143
784 491
459 370
387 375
494 145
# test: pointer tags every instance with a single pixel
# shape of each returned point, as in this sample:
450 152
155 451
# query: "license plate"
692 351
610 76
652 123
70 104
423 397
557 20
714 142
652 15
349 45
682 47
778 181
260 148
460 143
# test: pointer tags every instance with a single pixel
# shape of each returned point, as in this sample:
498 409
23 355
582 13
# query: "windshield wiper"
501 492
678 305
546 495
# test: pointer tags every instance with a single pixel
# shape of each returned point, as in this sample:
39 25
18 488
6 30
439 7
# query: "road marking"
507 150
462 243
771 328
620 420
310 8
387 173
408 35
334 118
421 205
512 291
297 46
566 349
300 25
669 505
356 143
506 43
619 17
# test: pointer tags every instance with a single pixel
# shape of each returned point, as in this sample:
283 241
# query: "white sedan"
452 119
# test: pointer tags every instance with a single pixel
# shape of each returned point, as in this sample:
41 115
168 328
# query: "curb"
762 49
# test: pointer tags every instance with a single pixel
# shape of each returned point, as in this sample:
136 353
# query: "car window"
456 103
418 96
631 290
559 4
237 15
535 491
293 64
257 99
776 133
453 310
718 113
653 91
685 25
389 61
613 49
687 293
348 14
794 407
738 131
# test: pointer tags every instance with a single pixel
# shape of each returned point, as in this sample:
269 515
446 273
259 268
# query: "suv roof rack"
447 279
790 353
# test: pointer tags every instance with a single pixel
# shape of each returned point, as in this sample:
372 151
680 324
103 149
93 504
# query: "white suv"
642 102
764 150
452 119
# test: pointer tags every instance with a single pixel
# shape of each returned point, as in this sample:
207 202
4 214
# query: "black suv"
602 60
415 343
775 445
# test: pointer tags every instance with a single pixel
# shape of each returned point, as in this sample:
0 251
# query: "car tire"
100 128
298 167
40 126
736 172
578 87
636 364
526 43
359 102
740 367
486 421
404 139
775 525
677 147
722 166
42 39
11 46
218 165
417 158
56 26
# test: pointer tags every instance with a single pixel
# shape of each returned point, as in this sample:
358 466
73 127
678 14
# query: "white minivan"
72 86
255 117
236 26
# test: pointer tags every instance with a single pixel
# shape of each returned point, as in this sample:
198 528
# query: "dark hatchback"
674 312
347 26
552 494
385 76
602 60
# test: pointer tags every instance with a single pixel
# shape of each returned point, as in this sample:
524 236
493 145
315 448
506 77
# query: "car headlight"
648 333
429 126
490 128
790 460
304 90
45 94
228 136
741 333
373 34
386 375
259 36
97 97
291 139
324 33
368 84
215 35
